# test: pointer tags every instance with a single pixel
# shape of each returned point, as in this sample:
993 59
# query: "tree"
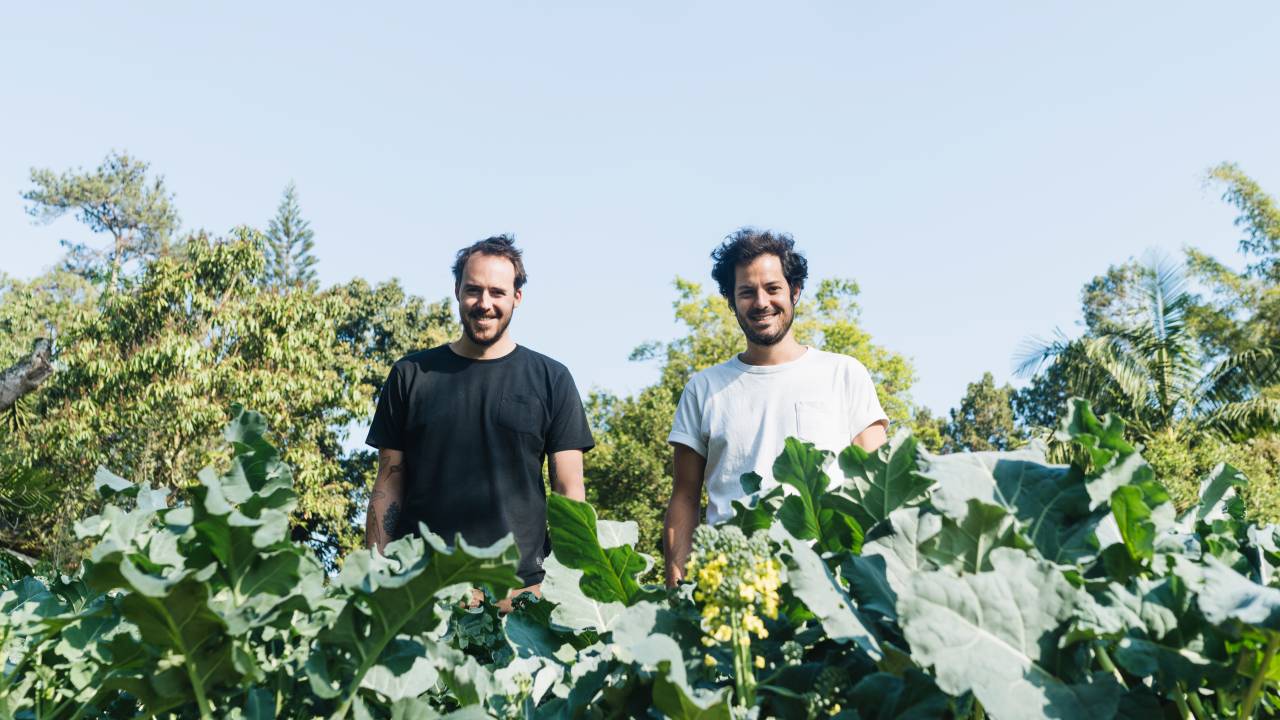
290 240
1152 372
1243 307
118 199
150 373
1189 411
984 420
1259 217
629 471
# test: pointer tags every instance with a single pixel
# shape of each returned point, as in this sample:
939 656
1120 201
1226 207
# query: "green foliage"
984 420
1259 218
207 608
148 371
117 199
1194 373
289 244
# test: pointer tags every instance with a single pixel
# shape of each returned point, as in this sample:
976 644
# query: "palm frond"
1255 416
1166 343
1037 353
1168 298
1239 377
1124 371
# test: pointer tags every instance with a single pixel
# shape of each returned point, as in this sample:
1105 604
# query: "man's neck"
466 348
783 351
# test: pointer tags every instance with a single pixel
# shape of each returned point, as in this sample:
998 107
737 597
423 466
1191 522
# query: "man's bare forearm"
386 500
565 471
682 511
677 535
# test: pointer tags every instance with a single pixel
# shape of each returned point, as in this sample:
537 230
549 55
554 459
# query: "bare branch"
27 374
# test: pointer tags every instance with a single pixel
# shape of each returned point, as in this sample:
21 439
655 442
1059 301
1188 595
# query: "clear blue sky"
971 165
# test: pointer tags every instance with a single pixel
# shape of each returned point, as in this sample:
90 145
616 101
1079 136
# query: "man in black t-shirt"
462 429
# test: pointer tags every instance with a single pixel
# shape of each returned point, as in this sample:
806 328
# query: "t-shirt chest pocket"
817 422
521 413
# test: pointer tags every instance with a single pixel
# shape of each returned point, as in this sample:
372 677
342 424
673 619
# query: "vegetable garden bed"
897 584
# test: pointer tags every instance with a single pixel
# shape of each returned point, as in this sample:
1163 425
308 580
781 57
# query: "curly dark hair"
499 246
748 244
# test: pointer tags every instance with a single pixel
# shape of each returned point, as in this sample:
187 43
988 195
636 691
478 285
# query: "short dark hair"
499 246
748 244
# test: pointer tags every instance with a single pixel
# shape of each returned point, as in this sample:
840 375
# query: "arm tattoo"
372 528
392 518
372 533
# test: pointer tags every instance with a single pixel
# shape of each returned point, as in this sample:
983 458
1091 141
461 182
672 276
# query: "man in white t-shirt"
734 418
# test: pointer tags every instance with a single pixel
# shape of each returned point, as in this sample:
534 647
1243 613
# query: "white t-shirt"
738 416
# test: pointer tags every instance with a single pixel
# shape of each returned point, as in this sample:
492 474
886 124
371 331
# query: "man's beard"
765 338
501 330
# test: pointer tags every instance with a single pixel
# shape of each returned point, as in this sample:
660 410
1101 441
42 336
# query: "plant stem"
202 702
1193 700
1105 661
743 675
1180 700
1260 677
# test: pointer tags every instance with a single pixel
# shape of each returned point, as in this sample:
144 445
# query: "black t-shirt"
474 434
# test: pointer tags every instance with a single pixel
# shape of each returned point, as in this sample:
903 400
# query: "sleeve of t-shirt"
569 427
864 405
686 429
387 430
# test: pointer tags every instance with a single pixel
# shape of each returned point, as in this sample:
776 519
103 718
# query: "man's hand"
504 605
682 511
385 500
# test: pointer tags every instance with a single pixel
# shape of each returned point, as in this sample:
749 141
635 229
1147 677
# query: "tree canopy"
118 199
151 362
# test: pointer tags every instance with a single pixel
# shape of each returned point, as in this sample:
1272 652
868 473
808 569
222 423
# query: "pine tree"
290 262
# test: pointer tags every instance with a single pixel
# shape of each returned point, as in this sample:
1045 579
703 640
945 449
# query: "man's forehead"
765 268
488 269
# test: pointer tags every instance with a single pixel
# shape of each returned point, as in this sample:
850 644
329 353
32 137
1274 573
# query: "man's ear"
518 296
795 294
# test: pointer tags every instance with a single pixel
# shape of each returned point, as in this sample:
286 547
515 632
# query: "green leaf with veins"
813 513
602 550
811 581
883 481
1051 502
677 700
396 594
1009 618
966 546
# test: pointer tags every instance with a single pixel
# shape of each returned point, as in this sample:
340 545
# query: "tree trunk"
27 374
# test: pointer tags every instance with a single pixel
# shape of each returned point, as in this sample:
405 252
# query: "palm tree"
1153 372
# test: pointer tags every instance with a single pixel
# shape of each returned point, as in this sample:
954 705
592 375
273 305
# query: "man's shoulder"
424 360
714 376
838 361
535 358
